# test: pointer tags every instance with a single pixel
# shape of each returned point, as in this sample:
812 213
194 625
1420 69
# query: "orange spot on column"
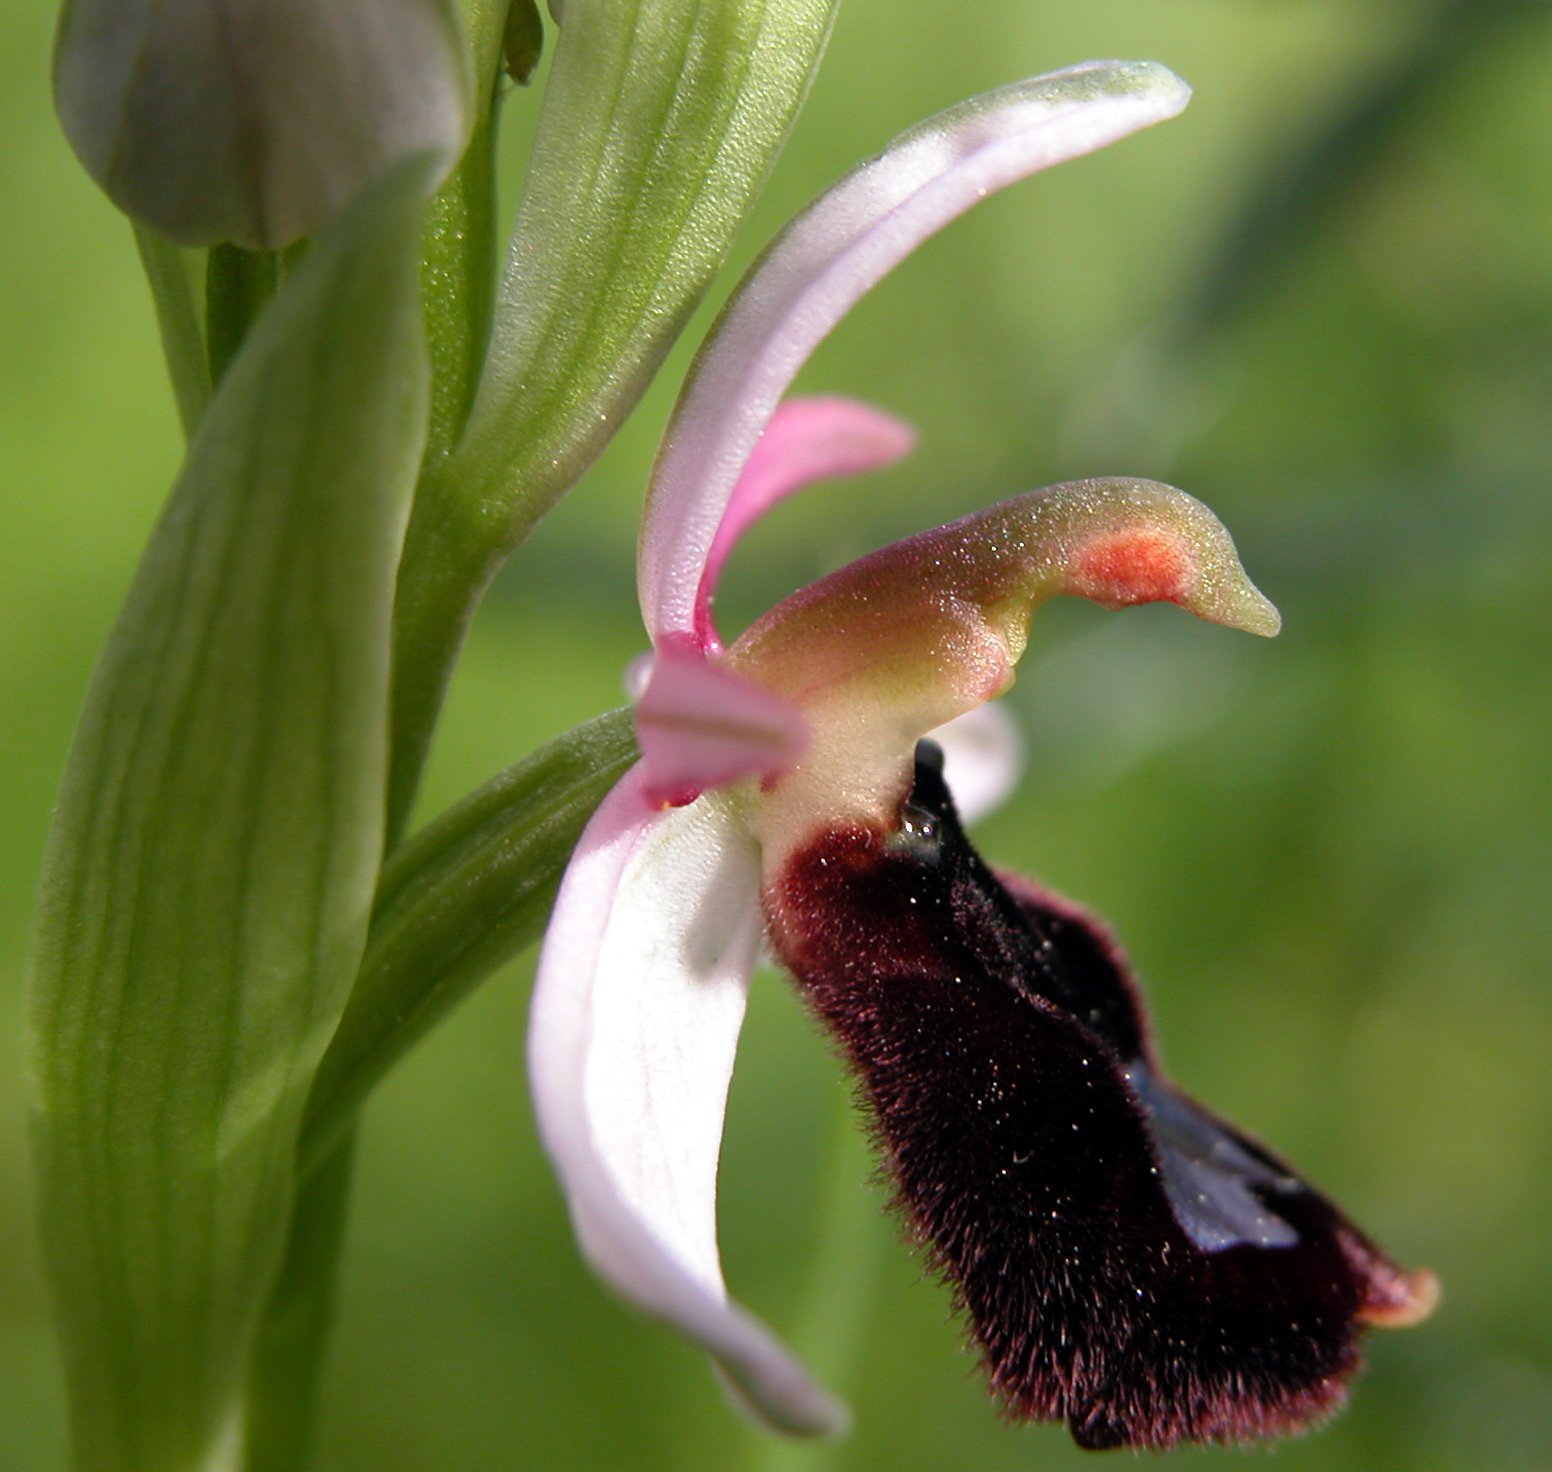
1130 567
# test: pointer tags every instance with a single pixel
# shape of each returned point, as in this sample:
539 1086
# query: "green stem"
660 121
287 1372
454 903
238 286
451 555
662 94
522 41
459 285
180 322
457 289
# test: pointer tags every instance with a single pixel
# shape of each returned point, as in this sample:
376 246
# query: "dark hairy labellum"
1128 1261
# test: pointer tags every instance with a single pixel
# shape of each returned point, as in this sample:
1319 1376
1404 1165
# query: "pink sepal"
832 254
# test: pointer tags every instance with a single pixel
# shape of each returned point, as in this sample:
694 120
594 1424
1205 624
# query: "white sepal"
983 757
636 1012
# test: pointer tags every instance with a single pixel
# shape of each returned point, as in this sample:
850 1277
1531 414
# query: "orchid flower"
1126 1260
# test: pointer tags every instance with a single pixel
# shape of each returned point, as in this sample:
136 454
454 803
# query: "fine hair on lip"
1127 1261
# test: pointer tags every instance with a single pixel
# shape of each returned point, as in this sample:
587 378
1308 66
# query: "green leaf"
661 119
286 1378
462 897
660 122
209 880
170 271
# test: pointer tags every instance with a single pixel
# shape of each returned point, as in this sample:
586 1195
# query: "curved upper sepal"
833 254
636 1012
1128 1261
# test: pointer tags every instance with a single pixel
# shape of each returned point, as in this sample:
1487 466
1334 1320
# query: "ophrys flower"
782 791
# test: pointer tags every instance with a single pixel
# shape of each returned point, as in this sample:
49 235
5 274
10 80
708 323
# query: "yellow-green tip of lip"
1242 605
1262 616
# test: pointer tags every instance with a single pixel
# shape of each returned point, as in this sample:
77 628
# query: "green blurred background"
1322 300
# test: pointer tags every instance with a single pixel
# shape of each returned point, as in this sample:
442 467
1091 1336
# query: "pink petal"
806 440
983 754
828 258
636 1012
701 727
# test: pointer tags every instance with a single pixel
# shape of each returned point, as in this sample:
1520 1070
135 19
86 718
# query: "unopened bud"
254 121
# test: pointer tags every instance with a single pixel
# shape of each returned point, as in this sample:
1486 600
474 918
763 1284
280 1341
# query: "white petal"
983 755
636 1012
829 257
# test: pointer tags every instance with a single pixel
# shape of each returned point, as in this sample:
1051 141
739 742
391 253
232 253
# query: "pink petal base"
807 440
701 727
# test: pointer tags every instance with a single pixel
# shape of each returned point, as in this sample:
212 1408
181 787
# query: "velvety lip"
1127 1261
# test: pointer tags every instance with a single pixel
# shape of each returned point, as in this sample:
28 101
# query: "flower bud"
254 121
